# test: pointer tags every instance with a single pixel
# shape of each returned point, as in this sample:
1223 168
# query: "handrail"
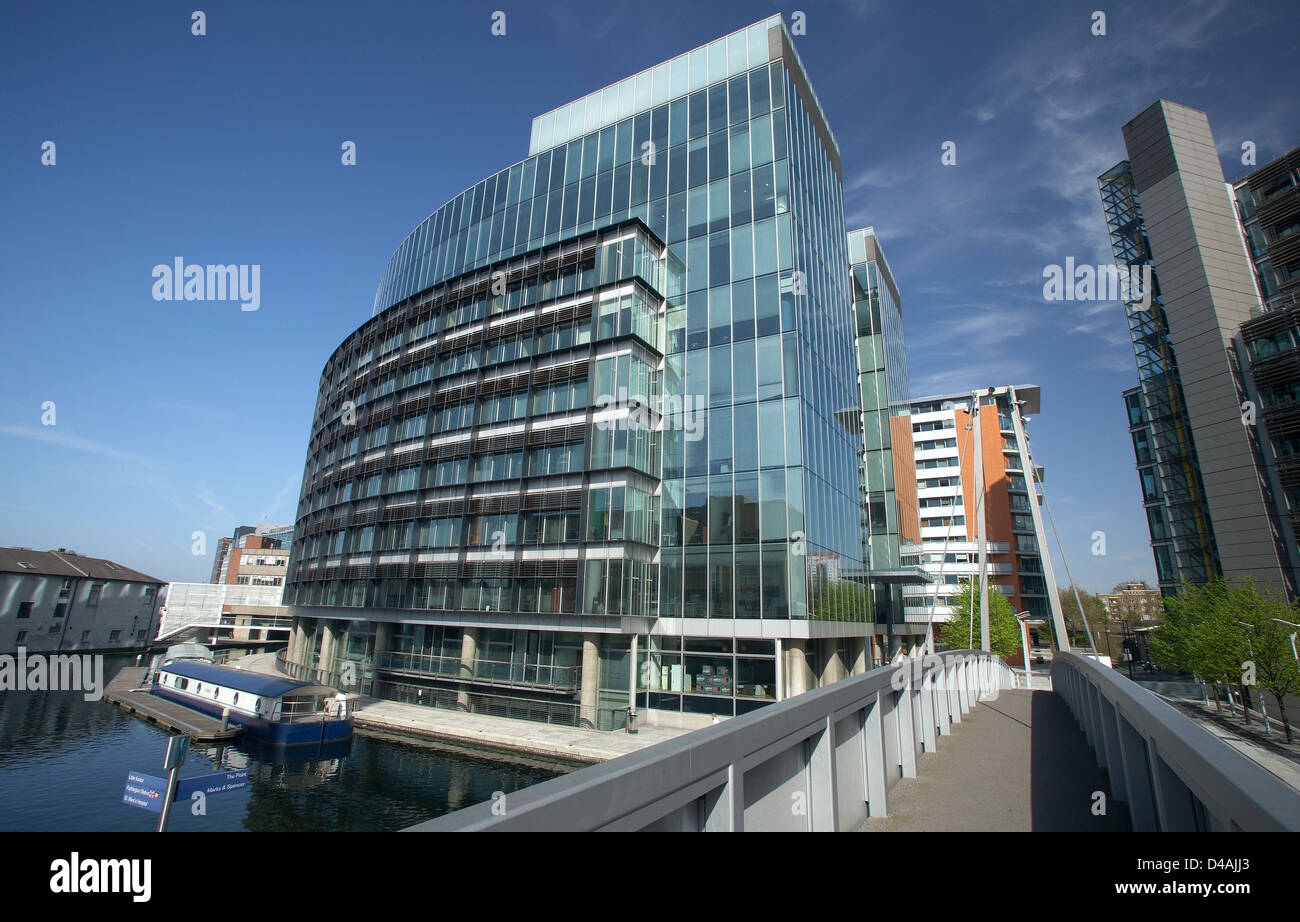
1173 774
822 760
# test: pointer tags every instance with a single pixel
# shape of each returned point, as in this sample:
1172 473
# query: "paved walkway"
1273 754
503 733
479 732
1018 763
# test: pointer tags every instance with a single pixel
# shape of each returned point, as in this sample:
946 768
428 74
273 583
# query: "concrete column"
861 663
779 691
632 677
468 658
798 676
832 664
295 641
589 696
300 640
383 633
328 646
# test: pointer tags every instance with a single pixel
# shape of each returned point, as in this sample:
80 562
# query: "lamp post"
1023 618
1293 633
1263 705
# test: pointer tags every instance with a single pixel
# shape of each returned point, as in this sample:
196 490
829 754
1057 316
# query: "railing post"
1085 709
1173 798
724 808
963 686
906 729
928 717
953 694
873 748
1114 755
939 690
1098 740
1137 776
823 794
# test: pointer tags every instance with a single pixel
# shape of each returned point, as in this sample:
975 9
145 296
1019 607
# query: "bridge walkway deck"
1017 763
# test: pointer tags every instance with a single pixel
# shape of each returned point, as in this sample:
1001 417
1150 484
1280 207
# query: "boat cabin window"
299 704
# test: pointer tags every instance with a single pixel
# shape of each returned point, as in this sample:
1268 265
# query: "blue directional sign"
217 783
145 791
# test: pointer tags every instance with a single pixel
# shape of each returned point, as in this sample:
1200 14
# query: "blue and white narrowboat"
271 709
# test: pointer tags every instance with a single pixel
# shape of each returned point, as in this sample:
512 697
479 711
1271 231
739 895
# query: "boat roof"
252 682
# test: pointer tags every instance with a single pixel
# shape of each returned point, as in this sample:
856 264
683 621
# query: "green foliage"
843 601
1099 621
1004 629
1218 631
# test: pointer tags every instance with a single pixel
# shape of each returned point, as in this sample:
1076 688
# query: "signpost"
177 748
150 792
144 791
218 783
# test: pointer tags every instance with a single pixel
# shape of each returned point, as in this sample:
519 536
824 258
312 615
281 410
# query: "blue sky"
175 417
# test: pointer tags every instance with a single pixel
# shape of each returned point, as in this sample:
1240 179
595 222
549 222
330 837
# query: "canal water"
64 762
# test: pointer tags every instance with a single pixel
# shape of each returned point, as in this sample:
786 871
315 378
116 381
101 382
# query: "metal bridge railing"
822 760
1173 775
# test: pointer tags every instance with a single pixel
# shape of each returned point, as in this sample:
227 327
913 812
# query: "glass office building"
593 447
890 517
1173 495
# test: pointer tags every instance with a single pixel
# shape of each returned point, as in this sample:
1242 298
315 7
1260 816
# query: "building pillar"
779 691
860 657
295 641
383 631
304 629
632 674
589 696
798 677
832 663
468 660
328 645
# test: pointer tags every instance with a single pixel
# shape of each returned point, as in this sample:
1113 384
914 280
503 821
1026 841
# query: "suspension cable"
1061 547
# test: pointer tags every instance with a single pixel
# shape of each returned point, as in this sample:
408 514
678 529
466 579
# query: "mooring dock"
201 728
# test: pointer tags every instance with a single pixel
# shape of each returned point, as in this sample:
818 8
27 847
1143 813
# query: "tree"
1004 630
1268 643
1230 634
1099 620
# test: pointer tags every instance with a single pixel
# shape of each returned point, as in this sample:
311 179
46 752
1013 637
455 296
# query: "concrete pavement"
479 732
1018 763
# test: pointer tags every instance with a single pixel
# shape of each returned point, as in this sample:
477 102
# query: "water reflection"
77 753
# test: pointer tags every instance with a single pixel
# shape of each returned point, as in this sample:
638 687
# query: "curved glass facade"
616 380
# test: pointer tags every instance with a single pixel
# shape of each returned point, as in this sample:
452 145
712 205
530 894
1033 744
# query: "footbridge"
947 742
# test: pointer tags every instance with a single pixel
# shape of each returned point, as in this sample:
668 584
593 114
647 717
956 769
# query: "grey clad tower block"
1208 290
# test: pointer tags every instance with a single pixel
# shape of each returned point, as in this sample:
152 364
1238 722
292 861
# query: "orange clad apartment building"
973 483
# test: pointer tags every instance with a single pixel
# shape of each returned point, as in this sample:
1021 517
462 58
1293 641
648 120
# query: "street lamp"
1023 618
1293 633
1263 705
